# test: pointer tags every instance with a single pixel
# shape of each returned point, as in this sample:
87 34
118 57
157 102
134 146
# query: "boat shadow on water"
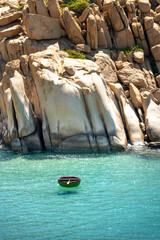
68 191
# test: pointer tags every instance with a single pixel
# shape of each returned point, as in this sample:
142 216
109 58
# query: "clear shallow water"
118 198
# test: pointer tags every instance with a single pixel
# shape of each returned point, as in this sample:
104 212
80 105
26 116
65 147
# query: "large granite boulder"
129 115
41 8
106 67
129 75
32 6
104 112
54 9
71 27
11 31
92 33
110 7
40 27
152 116
10 114
9 17
144 6
124 38
135 96
24 116
156 52
64 119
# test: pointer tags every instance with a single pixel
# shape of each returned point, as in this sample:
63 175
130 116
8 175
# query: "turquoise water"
118 198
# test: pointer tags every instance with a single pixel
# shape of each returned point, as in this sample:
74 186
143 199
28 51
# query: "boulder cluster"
51 101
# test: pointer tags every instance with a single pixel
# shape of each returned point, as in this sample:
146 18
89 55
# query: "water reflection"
67 192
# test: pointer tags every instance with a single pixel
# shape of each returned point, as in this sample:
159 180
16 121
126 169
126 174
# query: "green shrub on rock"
76 6
129 50
74 54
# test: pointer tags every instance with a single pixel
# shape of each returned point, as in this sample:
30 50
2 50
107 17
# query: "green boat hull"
72 184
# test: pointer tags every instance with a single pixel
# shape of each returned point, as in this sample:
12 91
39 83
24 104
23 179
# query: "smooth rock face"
138 57
114 15
32 7
106 67
103 115
40 27
153 35
144 5
157 18
157 96
9 17
54 9
156 52
132 75
64 120
10 113
26 124
64 126
129 114
83 48
124 38
152 116
148 22
135 96
11 32
41 8
71 27
92 34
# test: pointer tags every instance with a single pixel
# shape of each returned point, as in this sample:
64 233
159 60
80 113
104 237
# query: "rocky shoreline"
51 101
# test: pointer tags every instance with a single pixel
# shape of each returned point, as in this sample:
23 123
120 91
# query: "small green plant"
20 8
74 54
139 13
76 6
46 1
129 50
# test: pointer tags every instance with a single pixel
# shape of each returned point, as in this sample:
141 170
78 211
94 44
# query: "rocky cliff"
51 101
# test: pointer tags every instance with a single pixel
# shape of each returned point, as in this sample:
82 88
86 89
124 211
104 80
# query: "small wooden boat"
69 181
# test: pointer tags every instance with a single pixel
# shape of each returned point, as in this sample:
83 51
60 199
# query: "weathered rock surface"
129 114
11 31
138 56
156 52
124 38
9 17
92 34
54 9
129 75
71 27
40 27
103 115
10 113
152 116
106 67
83 48
144 5
41 8
26 124
135 96
32 7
